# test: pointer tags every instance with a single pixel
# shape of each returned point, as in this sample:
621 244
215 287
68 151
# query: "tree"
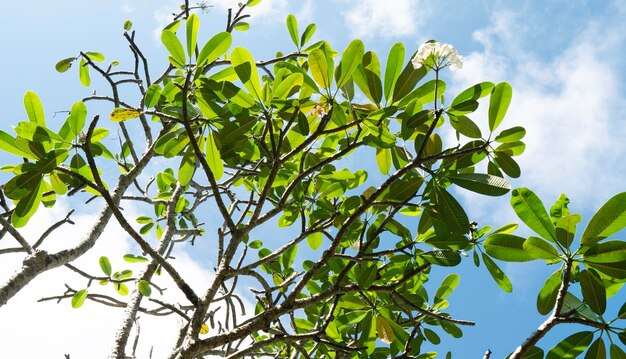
248 152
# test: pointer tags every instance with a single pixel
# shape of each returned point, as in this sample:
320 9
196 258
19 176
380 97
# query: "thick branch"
133 305
145 246
553 320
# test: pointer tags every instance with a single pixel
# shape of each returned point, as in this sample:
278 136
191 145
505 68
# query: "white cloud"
568 102
373 18
163 16
127 8
86 332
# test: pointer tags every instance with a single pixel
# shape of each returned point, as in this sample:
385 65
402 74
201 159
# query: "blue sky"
564 59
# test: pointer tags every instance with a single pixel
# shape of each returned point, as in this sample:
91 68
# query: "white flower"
356 245
437 55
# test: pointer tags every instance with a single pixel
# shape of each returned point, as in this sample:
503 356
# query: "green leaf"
559 208
146 228
499 103
617 270
187 166
246 70
498 275
481 183
350 60
27 206
450 211
172 26
58 186
368 334
606 252
572 304
283 90
193 24
531 211
34 108
593 291
507 164
366 273
534 353
121 288
506 247
144 288
547 295
507 228
367 77
153 95
383 159
407 80
83 73
99 134
213 157
425 93
64 64
445 258
617 352
511 135
131 258
540 249
473 93
463 108
395 60
447 287
405 189
431 336
319 68
214 48
292 27
8 144
307 34
174 47
609 219
78 116
465 126
419 119
78 299
571 347
36 133
566 229
597 350
511 148
228 90
242 26
95 56
289 256
314 240
105 265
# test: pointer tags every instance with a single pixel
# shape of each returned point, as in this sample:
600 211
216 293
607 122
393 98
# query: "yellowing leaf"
204 329
123 114
383 330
